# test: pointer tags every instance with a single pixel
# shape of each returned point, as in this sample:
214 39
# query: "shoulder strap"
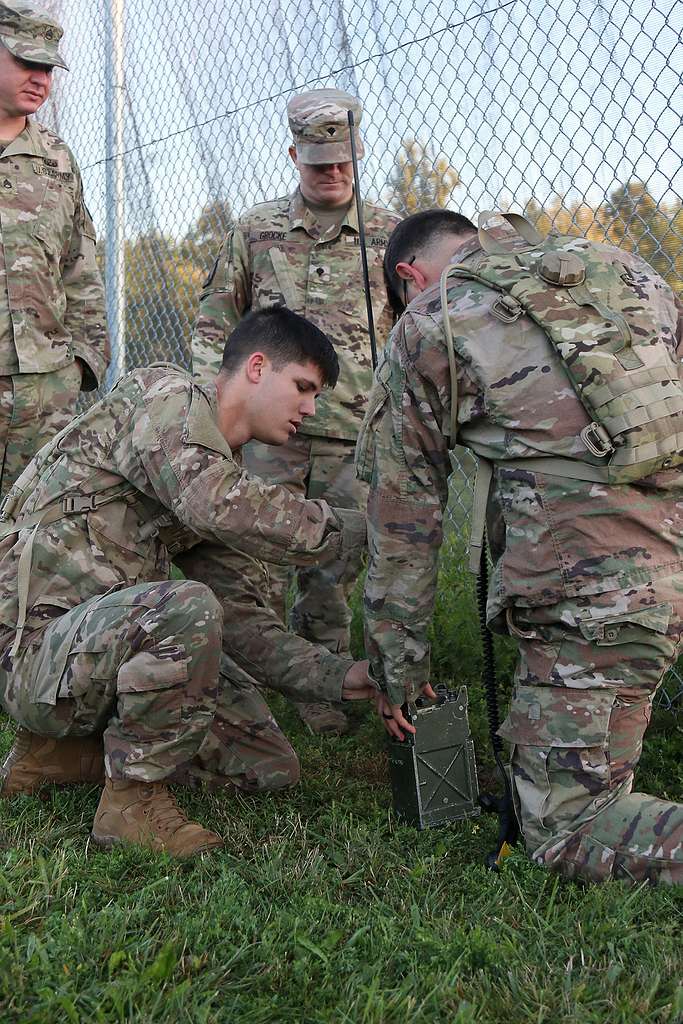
492 244
450 350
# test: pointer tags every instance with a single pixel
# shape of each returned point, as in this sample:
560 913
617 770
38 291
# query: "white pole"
115 266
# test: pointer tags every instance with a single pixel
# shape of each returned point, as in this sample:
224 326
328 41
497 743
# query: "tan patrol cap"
31 34
320 128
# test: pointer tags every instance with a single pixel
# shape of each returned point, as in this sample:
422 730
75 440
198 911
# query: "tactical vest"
609 342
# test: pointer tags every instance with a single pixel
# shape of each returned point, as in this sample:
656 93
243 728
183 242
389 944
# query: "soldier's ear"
255 366
411 272
292 155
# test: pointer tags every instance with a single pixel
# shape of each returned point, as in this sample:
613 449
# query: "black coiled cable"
508 829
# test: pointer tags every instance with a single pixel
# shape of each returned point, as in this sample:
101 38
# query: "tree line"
164 275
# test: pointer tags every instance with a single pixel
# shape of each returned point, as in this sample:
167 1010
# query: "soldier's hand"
393 719
357 683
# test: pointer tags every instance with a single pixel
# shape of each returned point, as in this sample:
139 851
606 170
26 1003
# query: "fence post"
115 265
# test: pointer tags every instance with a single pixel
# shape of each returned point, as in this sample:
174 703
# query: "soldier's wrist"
354 531
333 669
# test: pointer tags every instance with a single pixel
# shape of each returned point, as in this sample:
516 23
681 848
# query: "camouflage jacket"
51 294
145 472
277 256
553 538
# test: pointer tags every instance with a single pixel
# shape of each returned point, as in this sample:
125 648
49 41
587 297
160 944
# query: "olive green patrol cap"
320 127
31 34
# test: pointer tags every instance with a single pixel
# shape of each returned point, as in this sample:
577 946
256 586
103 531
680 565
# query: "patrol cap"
320 127
31 34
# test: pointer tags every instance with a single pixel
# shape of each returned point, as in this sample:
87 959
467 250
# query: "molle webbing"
606 335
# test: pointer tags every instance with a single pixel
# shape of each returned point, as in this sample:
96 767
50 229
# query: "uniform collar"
27 143
301 216
466 248
208 389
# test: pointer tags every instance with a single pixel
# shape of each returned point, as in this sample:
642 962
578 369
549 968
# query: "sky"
524 99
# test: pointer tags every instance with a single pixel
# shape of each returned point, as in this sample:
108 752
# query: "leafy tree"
204 239
420 181
636 222
162 294
631 219
164 278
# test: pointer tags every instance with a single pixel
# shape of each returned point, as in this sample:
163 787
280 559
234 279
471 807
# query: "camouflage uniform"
587 577
278 255
51 295
106 642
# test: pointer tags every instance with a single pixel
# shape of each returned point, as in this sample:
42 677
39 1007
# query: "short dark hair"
411 236
285 337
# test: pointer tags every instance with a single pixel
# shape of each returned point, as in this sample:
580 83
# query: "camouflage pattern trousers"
33 408
314 467
143 665
587 674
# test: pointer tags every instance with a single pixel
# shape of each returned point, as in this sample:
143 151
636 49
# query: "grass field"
322 908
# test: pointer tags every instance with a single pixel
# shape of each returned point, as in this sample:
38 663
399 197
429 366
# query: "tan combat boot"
146 813
36 761
323 718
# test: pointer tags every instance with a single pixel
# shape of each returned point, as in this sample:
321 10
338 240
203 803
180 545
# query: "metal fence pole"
115 254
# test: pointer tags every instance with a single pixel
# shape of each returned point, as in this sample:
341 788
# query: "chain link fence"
568 110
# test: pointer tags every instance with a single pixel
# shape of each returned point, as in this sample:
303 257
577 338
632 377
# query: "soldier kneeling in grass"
558 362
114 671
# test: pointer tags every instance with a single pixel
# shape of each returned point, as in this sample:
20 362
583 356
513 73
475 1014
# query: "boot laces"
165 812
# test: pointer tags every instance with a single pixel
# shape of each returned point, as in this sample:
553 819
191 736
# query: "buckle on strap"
597 440
72 504
506 308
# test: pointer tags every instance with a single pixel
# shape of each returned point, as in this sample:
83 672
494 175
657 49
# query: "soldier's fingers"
400 720
384 711
389 722
392 728
428 691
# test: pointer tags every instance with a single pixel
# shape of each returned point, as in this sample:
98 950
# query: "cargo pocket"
560 756
88 682
152 691
647 648
629 627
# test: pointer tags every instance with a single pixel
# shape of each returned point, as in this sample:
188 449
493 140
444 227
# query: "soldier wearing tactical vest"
113 670
564 378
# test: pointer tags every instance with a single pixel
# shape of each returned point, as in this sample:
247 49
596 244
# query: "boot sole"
8 793
327 730
41 789
108 843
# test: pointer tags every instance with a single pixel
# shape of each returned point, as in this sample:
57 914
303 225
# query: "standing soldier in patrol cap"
53 339
585 516
303 252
